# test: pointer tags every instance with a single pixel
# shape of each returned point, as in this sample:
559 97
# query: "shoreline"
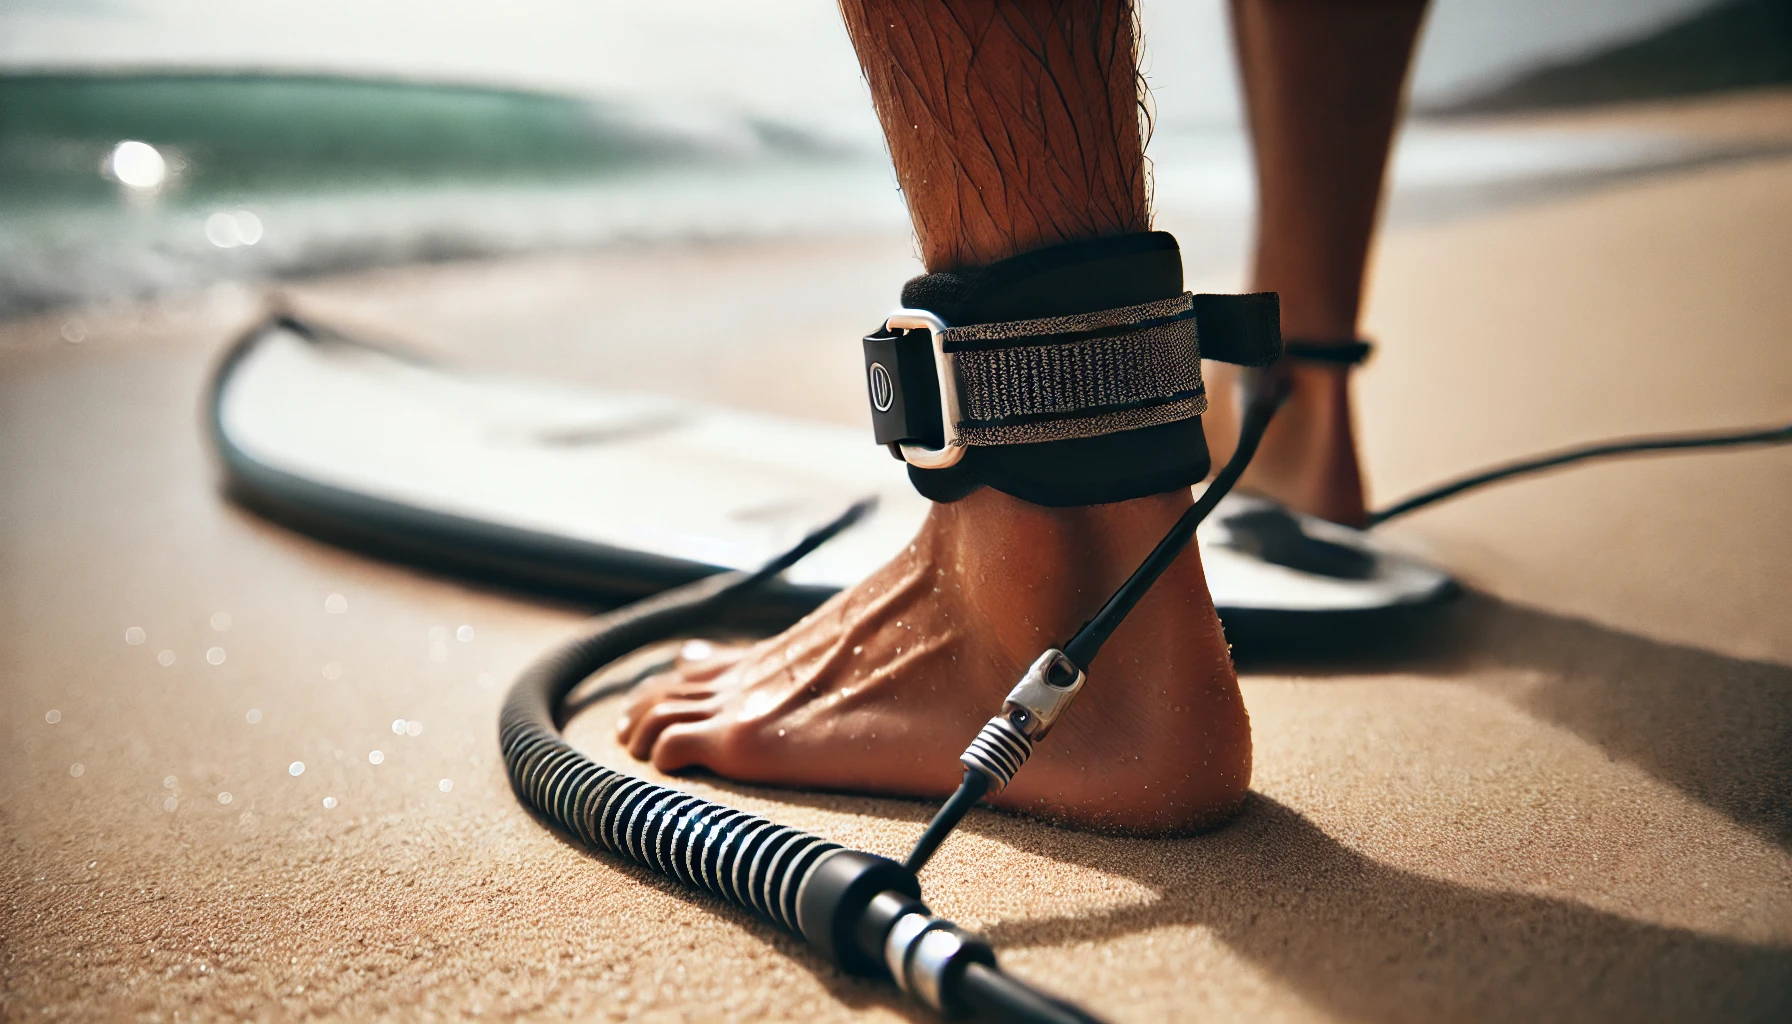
1444 170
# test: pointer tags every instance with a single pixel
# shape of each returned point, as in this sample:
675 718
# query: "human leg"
1323 83
1012 126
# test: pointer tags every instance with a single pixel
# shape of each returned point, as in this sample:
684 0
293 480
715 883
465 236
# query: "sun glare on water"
137 165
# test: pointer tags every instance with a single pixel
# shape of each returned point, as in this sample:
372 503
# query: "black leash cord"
1603 449
1266 396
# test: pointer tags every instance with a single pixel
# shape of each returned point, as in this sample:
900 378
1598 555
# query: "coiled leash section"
861 911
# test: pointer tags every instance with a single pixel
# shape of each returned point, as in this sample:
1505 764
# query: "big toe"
696 743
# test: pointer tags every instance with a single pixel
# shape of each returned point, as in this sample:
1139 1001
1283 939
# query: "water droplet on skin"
398 725
170 804
221 622
413 728
859 649
375 757
166 658
253 716
77 769
335 604
135 635
696 650
74 332
52 716
332 670
445 785
329 803
224 798
170 782
464 634
296 769
215 655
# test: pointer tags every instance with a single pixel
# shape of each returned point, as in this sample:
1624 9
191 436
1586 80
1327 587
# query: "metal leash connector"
1031 709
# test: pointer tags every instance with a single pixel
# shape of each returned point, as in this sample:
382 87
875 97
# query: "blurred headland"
1739 44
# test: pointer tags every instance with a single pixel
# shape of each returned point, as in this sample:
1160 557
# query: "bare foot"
1307 460
881 689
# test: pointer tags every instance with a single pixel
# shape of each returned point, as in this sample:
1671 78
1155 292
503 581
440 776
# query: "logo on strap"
883 390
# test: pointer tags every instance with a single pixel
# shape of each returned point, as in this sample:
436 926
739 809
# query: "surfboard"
604 496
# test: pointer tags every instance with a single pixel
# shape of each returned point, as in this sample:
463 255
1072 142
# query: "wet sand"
1567 799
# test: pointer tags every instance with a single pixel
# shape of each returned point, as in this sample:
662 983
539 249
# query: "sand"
1569 799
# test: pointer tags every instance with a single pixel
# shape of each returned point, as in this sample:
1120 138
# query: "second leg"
1323 83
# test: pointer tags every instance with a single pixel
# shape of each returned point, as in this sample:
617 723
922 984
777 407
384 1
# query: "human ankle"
1055 564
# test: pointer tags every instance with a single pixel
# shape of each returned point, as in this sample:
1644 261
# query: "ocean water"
131 185
314 136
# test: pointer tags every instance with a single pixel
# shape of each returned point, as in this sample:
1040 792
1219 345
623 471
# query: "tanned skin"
1012 125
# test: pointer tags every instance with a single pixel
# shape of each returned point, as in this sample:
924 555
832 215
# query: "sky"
785 59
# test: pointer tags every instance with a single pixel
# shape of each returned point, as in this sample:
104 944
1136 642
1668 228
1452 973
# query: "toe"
695 744
655 720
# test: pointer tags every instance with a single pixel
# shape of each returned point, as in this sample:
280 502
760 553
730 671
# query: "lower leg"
1323 85
1013 125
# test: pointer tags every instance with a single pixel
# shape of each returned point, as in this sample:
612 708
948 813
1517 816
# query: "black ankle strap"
1074 370
1351 352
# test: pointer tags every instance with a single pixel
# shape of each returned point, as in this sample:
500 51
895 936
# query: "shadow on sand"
1717 728
1370 942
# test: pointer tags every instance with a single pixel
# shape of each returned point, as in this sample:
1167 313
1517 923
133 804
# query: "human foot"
881 689
1307 459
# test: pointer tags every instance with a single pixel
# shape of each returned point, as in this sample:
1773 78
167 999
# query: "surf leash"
1068 376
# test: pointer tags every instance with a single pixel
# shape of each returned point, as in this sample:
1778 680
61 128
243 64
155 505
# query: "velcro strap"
1065 377
1245 330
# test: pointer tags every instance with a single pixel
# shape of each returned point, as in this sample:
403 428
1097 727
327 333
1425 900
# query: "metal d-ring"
952 450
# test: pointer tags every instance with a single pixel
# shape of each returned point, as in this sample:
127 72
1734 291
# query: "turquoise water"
337 173
261 132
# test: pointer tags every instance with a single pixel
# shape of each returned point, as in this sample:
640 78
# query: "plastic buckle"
917 455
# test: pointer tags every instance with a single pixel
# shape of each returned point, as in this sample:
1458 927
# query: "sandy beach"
1567 800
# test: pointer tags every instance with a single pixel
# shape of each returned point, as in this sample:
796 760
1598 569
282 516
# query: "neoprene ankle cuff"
1072 373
